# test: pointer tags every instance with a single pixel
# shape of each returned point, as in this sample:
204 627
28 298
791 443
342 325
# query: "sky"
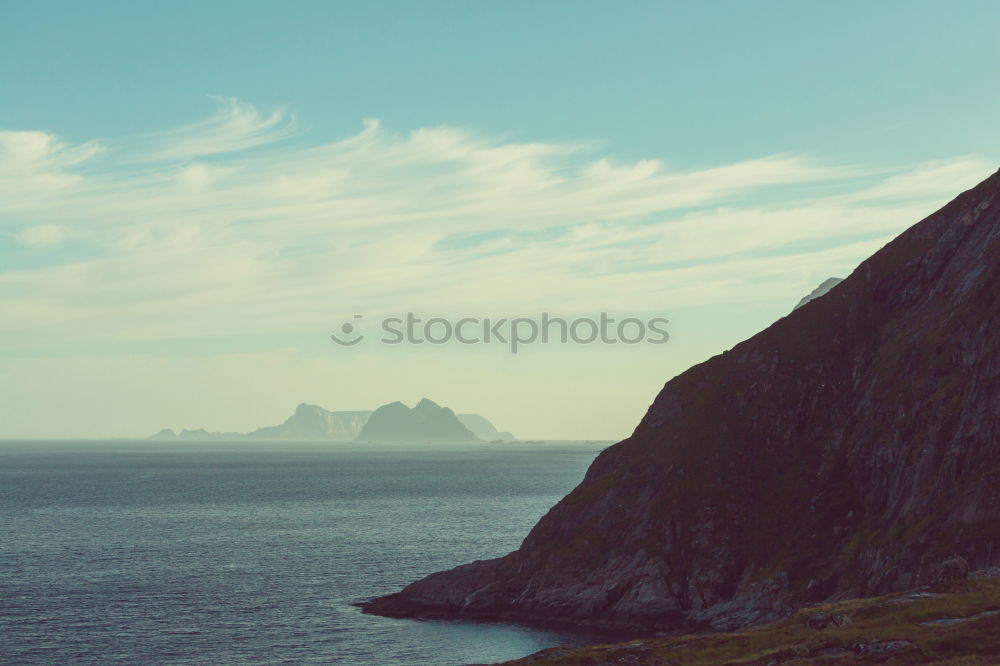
195 196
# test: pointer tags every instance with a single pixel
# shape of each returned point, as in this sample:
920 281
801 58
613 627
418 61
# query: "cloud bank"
237 225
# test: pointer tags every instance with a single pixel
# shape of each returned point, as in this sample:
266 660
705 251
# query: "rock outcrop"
850 449
427 421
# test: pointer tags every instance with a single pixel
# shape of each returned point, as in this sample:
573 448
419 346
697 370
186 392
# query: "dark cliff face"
848 449
426 421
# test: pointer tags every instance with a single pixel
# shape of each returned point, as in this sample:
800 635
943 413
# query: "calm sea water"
209 553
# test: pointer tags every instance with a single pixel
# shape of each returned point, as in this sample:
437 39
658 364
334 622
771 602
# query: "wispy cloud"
33 162
223 226
234 127
41 234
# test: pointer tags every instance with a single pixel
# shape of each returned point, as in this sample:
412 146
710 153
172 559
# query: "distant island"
427 421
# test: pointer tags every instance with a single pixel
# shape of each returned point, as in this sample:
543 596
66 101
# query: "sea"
146 552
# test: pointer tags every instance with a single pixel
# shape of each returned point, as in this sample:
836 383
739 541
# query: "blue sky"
195 193
700 82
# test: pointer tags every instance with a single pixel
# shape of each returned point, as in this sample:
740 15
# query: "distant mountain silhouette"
310 422
824 287
427 421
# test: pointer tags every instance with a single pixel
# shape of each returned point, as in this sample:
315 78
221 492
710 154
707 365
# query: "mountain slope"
847 450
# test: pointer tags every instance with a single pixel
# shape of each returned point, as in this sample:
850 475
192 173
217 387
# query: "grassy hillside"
952 623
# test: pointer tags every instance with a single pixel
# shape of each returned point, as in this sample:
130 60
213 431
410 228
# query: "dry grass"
884 630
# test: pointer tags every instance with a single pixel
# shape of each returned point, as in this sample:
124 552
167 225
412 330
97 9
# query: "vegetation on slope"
952 623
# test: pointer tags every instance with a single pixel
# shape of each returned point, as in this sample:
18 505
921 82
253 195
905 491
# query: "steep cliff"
847 450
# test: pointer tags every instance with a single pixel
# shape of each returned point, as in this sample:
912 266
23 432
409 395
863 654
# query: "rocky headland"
851 449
